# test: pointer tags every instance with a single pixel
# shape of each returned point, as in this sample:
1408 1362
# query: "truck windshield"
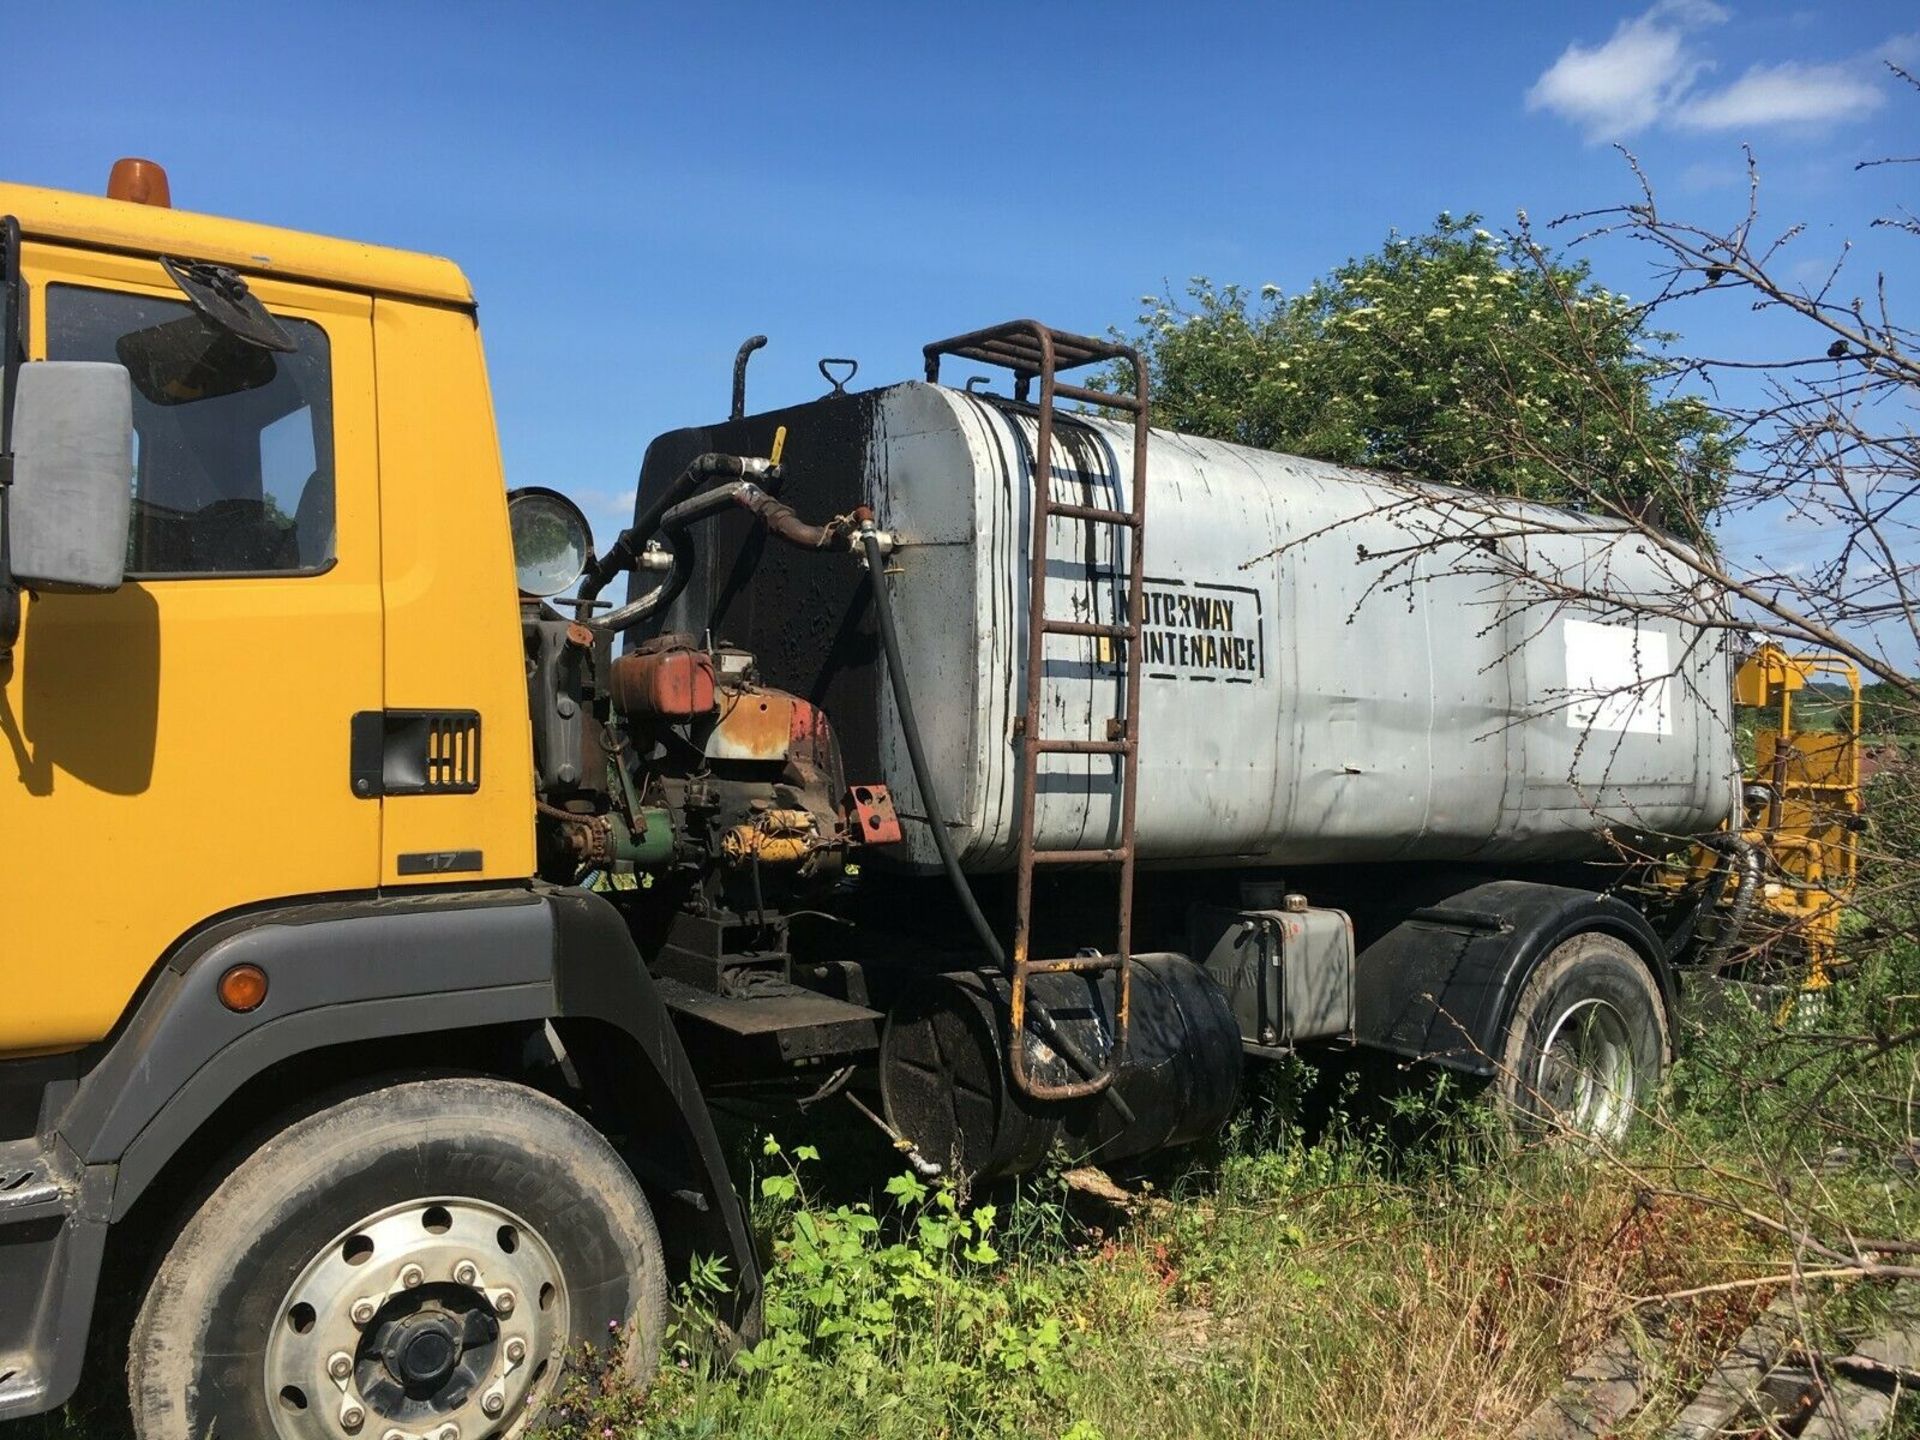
233 458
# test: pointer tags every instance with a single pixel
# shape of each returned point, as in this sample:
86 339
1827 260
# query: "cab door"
182 746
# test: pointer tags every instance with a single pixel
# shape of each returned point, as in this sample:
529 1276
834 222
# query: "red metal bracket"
870 808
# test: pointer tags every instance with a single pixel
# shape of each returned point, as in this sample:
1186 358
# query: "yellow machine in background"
1803 806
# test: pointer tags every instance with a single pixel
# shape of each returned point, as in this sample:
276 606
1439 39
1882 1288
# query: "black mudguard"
1441 985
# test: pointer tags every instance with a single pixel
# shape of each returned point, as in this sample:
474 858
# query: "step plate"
802 1023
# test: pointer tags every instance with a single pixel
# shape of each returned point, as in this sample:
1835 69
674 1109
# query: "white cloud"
602 504
1627 83
1901 50
1705 175
1785 94
1649 71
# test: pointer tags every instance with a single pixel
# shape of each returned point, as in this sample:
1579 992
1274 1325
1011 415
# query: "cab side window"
233 445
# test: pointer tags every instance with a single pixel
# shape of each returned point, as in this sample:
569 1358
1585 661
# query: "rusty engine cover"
666 678
754 725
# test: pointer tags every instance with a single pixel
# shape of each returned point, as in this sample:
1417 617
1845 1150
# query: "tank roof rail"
1017 345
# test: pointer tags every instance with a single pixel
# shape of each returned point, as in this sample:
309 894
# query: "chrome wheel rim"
1586 1079
435 1319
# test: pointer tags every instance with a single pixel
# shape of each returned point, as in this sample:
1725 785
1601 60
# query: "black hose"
671 522
779 519
680 546
917 754
1747 854
624 553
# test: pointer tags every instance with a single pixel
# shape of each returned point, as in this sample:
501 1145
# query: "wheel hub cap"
1587 1078
433 1320
424 1357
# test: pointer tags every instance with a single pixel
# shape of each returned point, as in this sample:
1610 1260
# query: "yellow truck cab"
270 854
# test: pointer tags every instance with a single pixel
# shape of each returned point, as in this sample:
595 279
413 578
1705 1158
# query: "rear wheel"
1587 1046
412 1263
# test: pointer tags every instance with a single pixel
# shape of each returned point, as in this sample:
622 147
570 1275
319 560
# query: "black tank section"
807 619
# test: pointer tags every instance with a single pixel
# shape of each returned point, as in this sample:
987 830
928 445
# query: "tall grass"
1406 1273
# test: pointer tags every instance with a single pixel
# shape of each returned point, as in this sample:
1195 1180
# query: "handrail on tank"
1033 351
1022 347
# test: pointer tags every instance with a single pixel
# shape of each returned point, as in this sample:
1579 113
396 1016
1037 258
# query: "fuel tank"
1338 666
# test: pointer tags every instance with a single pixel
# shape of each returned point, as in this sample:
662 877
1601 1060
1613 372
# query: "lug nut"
493 1402
449 1432
339 1364
412 1277
363 1311
516 1350
465 1273
394 1435
503 1302
352 1417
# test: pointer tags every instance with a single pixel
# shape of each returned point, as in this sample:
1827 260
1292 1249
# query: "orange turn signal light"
141 181
243 988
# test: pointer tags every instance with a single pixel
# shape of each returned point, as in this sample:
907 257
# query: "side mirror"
72 475
552 543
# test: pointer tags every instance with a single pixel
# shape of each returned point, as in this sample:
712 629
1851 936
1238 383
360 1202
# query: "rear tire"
489 1231
1587 1046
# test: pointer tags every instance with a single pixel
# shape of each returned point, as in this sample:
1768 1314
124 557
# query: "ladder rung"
1083 747
1081 857
1093 513
1082 627
1080 963
1064 391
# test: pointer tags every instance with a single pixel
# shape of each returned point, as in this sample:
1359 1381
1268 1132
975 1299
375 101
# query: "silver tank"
1337 667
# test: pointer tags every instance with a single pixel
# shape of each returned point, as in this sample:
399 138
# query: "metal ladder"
1033 351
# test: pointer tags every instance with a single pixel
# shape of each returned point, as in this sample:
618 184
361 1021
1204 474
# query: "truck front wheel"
1587 1045
416 1260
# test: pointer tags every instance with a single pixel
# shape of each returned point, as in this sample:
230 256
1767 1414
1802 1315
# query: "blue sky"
635 188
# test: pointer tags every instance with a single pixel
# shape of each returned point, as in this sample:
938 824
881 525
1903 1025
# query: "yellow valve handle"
779 444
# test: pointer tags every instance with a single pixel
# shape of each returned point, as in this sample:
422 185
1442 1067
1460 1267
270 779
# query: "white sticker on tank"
1618 679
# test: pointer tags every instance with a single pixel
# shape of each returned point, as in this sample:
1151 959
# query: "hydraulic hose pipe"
624 553
779 519
1733 924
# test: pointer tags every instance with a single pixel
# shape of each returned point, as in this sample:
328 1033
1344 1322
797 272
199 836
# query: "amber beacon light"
142 182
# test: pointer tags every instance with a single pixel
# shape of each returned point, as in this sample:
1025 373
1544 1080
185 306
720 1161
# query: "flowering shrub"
1456 356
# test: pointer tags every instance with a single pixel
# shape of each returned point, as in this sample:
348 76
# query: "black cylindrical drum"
946 1084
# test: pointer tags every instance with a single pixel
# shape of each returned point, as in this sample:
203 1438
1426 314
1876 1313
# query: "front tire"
1587 1046
415 1257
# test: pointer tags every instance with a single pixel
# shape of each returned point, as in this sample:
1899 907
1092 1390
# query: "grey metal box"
1288 973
